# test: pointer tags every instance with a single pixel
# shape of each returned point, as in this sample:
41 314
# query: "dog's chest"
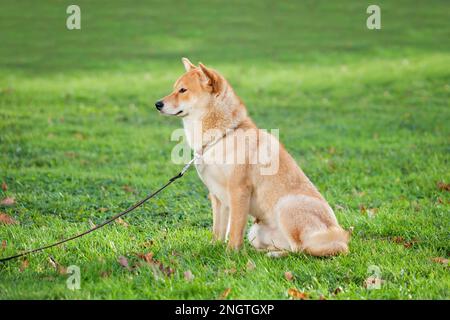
215 179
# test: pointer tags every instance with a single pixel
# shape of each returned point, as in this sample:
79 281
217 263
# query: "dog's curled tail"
328 242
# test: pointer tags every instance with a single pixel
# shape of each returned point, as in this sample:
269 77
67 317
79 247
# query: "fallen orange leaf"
156 264
440 260
225 294
5 219
24 265
147 257
127 188
166 270
443 186
398 239
122 222
296 294
406 244
362 208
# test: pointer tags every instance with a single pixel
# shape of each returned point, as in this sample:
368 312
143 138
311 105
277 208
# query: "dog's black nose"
159 105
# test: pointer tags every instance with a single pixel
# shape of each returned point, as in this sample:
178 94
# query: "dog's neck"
225 112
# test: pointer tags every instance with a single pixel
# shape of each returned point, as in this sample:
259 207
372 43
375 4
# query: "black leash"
133 207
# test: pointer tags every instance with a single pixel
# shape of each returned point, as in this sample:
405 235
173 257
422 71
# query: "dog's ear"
188 65
214 79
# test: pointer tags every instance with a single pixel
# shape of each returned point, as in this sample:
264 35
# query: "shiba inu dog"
289 212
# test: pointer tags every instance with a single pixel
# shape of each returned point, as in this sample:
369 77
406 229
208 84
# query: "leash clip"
189 164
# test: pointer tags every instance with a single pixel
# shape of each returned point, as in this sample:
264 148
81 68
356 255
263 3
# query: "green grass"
365 114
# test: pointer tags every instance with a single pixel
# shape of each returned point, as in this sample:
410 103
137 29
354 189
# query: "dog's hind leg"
254 237
309 225
266 238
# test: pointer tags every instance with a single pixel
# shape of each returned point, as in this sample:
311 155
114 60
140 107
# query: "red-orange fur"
290 213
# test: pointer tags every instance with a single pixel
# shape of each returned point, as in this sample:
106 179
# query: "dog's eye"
182 90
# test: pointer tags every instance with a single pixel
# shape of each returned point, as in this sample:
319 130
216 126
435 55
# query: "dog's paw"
215 241
277 254
233 247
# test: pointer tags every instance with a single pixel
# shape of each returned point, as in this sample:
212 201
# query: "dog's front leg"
239 208
215 205
220 218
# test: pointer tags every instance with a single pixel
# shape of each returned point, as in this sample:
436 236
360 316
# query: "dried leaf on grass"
337 290
6 219
440 260
443 186
188 276
147 244
371 282
8 201
58 267
362 208
232 270
105 274
225 294
156 264
371 212
405 243
25 263
147 257
122 222
91 224
296 294
123 262
289 276
251 265
128 189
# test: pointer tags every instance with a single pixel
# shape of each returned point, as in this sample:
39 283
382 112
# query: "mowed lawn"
365 113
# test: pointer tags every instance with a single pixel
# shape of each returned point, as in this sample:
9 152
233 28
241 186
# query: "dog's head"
192 92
